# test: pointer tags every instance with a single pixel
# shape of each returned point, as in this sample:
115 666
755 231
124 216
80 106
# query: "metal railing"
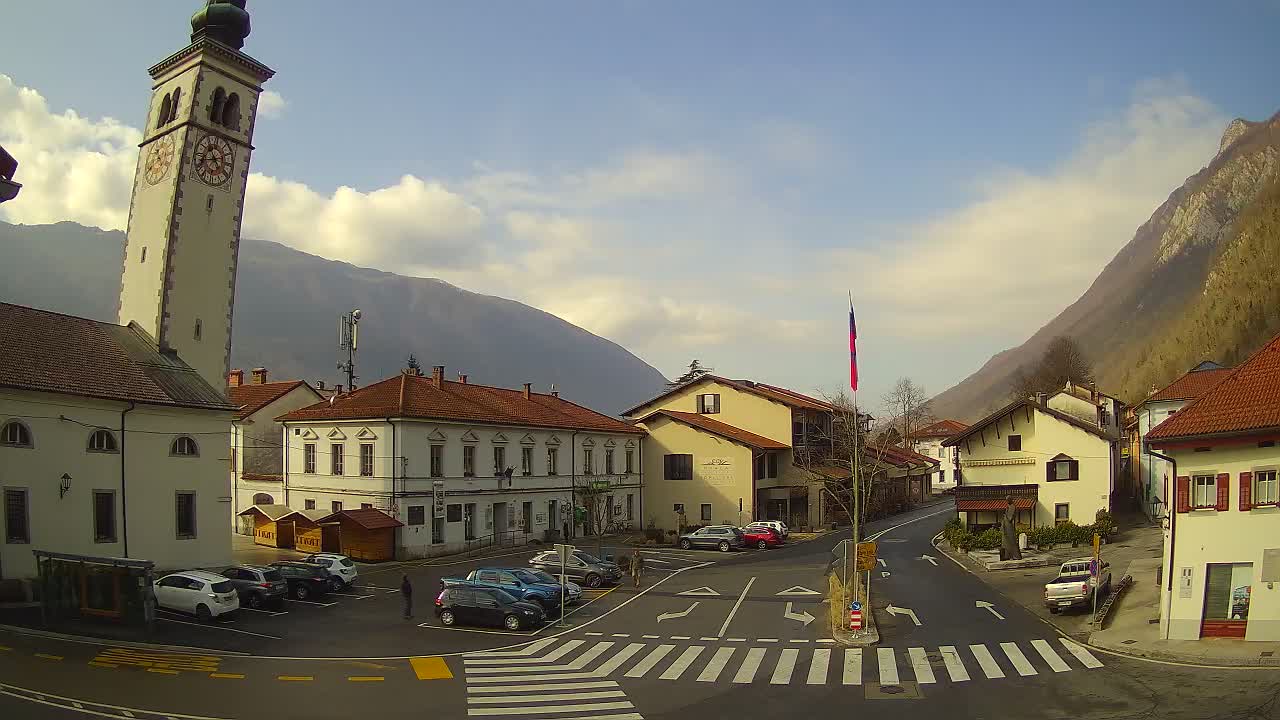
997 492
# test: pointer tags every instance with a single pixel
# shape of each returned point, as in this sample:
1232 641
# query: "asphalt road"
709 635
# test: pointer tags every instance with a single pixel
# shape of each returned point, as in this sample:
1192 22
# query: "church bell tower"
179 276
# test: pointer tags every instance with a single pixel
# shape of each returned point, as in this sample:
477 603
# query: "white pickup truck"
1074 585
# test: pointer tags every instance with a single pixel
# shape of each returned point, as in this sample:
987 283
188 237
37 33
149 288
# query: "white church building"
113 436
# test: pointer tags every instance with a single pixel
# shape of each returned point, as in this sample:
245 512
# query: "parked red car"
761 537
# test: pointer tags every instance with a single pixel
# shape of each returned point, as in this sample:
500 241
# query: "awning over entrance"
996 505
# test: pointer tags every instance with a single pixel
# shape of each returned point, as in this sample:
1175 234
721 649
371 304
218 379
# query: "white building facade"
928 441
465 465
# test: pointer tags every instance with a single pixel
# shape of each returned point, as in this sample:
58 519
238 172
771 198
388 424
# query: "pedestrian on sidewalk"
637 566
406 589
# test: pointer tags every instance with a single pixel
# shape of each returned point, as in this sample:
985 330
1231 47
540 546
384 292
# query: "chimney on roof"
337 390
555 392
259 376
528 390
235 378
462 378
437 375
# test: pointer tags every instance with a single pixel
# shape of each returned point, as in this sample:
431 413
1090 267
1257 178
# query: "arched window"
102 441
166 106
263 499
215 108
15 434
173 110
231 112
183 445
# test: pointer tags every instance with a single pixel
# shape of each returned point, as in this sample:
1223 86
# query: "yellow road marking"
227 676
295 678
163 671
95 663
5 648
44 656
372 665
366 678
430 668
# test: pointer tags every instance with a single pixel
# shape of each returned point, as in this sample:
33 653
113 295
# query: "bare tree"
1061 361
909 404
695 371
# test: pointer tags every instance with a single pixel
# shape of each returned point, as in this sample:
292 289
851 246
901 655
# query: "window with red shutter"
1183 494
1246 490
1224 492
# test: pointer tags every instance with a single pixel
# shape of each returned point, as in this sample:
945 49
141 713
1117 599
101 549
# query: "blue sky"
689 178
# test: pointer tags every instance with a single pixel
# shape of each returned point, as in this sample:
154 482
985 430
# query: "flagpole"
853 463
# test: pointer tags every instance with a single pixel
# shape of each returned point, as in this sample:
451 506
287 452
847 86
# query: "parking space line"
215 627
349 595
227 676
311 602
429 626
272 613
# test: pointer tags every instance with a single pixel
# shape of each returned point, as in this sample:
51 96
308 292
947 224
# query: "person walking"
406 589
637 566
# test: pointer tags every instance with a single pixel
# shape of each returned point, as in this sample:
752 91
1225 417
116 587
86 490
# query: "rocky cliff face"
1191 284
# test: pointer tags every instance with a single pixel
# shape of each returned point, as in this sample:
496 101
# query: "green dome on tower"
223 20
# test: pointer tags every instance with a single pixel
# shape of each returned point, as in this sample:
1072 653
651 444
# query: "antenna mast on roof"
348 336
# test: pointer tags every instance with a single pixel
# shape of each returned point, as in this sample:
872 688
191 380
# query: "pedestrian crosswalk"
553 667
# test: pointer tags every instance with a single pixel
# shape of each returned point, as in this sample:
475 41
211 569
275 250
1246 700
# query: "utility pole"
348 335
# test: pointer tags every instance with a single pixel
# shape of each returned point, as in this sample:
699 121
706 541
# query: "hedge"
960 538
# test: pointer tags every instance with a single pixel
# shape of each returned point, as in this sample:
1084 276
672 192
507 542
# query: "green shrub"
988 539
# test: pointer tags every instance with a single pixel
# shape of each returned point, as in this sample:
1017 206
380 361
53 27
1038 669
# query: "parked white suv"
342 572
201 593
777 525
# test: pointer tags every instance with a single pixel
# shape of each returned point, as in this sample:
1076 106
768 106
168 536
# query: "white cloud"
271 104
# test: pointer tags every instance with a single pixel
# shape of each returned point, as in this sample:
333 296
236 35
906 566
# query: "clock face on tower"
159 158
214 159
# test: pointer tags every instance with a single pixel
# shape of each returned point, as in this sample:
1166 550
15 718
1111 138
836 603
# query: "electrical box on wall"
1271 565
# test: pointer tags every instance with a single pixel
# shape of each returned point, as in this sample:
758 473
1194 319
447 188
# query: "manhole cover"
891 689
904 690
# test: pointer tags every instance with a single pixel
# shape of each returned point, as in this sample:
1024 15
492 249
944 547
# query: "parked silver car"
592 571
257 585
721 537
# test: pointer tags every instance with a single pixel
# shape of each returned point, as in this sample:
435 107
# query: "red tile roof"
901 456
414 396
724 430
771 392
971 505
51 352
1192 385
368 518
1247 400
942 428
252 398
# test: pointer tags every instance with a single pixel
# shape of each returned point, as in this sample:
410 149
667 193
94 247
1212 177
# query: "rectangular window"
627 461
706 512
1015 443
588 462
17 528
677 467
608 462
437 461
335 506
553 457
631 506
185 515
335 459
526 461
1204 491
309 458
773 465
366 459
709 403
469 460
1061 513
453 513
104 516
366 506
417 514
1265 490
309 504
499 460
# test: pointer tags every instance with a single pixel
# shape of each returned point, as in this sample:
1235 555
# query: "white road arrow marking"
931 559
703 591
904 611
884 574
988 606
882 562
803 616
799 590
668 616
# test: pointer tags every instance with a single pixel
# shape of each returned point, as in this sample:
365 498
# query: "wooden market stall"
366 534
269 529
307 530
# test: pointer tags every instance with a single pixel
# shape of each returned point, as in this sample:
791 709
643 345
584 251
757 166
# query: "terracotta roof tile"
413 396
772 392
51 352
971 505
1192 385
253 397
942 428
368 518
1247 399
724 430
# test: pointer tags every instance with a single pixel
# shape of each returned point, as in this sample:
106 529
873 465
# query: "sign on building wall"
1184 584
717 471
437 498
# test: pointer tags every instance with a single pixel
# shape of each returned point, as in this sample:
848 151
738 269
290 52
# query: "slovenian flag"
853 349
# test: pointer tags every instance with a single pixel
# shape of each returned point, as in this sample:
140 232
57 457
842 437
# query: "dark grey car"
592 571
257 585
721 537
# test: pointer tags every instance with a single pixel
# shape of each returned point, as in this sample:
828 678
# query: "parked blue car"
524 584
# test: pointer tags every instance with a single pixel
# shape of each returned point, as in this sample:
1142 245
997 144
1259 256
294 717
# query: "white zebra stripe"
1051 658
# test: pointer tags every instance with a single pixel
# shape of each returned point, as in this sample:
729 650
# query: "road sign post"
565 552
1095 569
855 620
